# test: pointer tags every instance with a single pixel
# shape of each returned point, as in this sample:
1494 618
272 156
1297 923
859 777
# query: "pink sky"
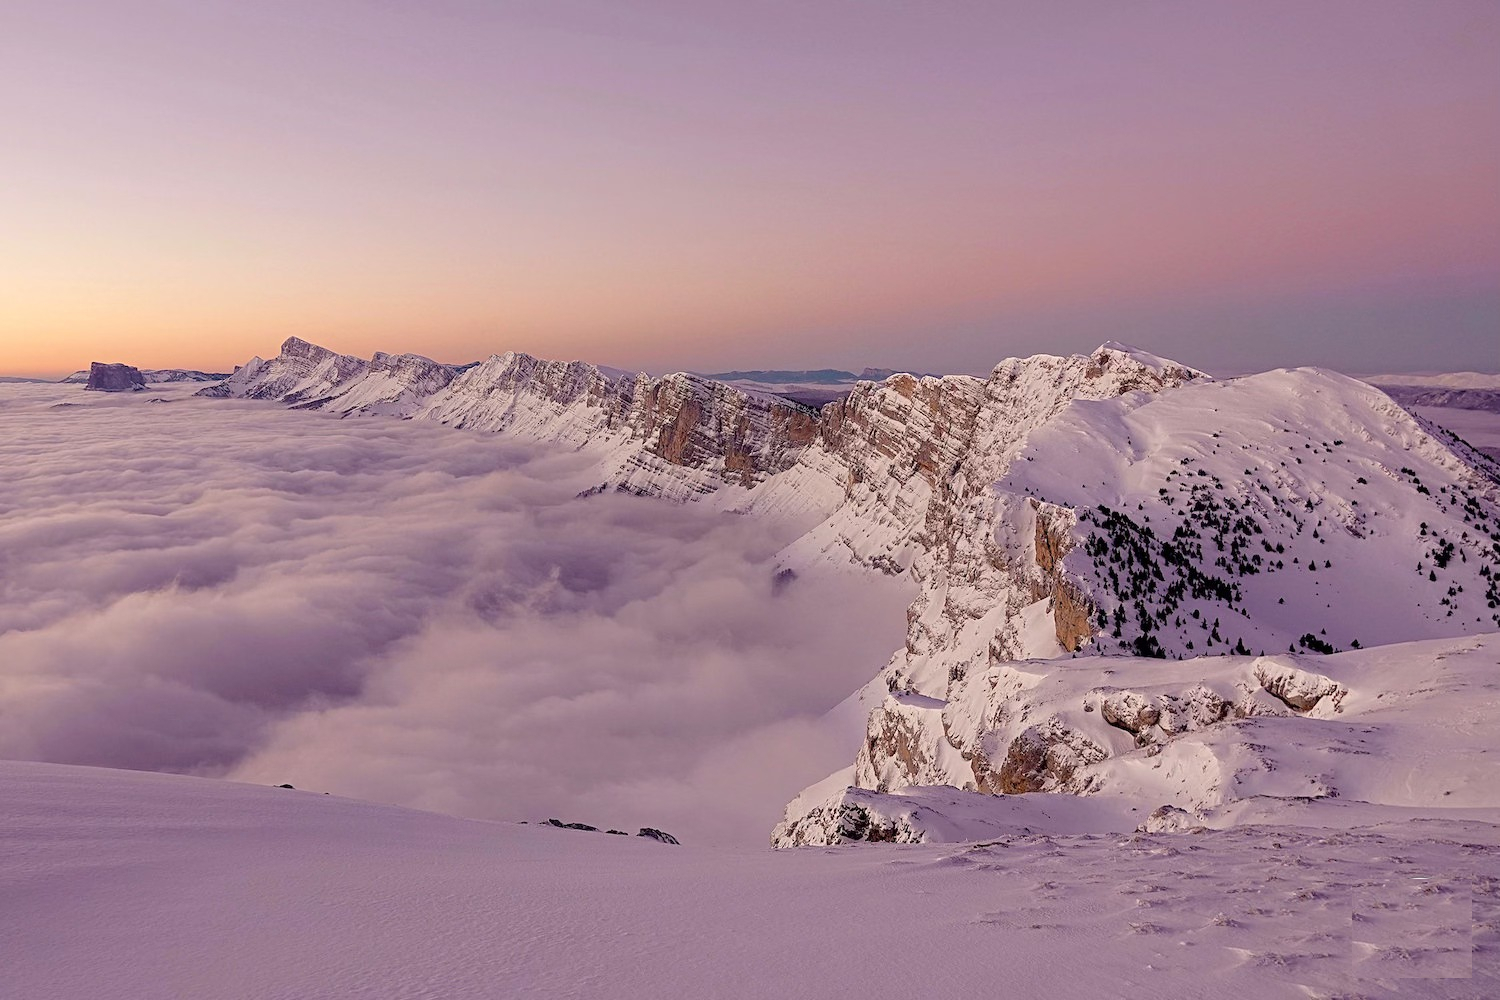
714 185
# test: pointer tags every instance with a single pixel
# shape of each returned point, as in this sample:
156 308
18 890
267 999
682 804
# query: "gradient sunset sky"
927 185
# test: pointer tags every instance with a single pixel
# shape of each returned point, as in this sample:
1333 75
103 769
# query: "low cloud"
410 614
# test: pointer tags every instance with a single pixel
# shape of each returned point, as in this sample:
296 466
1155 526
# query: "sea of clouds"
410 614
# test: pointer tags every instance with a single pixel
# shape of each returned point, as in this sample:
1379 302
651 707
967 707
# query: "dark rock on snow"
652 834
572 826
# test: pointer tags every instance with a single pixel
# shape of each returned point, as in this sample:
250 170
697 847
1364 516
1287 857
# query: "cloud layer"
406 613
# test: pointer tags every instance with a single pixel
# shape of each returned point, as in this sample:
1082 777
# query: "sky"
712 185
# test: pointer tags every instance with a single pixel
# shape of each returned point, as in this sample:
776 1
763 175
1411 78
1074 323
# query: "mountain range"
160 376
1131 576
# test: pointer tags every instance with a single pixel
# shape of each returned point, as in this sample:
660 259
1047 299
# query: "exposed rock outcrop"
944 815
114 378
660 836
1301 690
1171 819
1072 611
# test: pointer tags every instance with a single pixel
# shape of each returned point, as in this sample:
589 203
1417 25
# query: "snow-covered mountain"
1118 507
680 436
1298 511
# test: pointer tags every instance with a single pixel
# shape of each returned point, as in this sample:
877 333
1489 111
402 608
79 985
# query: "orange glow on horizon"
189 198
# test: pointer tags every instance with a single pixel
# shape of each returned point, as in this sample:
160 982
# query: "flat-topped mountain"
105 377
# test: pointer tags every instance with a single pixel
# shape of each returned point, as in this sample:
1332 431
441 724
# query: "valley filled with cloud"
410 614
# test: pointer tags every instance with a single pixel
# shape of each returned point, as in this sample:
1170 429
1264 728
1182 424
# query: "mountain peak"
1145 358
296 347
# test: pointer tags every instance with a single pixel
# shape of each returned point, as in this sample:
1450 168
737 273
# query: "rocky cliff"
679 436
114 378
1298 511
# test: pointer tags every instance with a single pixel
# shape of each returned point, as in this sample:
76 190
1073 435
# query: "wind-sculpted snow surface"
140 886
407 613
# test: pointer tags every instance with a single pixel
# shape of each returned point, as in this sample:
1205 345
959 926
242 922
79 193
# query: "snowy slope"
1479 428
129 885
1446 380
1412 726
1267 476
1295 511
680 437
1467 403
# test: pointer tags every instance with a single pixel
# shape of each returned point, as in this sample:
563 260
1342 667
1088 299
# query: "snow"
1143 358
678 437
1276 824
1480 428
1317 459
137 886
1446 380
1411 725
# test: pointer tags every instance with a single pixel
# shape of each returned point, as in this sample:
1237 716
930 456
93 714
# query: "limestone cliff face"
731 436
884 451
1072 609
712 434
114 378
923 457
743 437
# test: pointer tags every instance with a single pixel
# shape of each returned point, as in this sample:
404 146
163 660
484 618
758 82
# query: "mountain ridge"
156 376
1113 503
